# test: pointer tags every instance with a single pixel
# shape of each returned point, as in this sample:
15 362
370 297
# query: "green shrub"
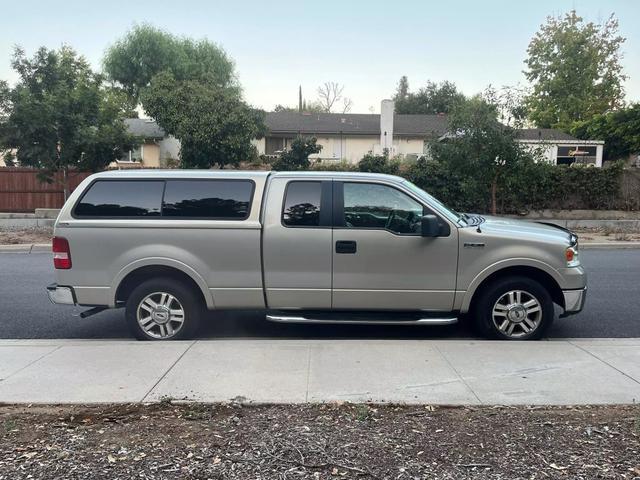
297 157
527 186
531 186
341 166
379 164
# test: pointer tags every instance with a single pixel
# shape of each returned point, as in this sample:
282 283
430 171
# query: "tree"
282 108
189 87
60 115
619 129
347 105
509 104
575 71
329 94
146 51
479 143
432 99
403 88
214 125
297 157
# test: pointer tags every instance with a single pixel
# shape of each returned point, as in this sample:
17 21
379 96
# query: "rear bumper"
61 295
574 301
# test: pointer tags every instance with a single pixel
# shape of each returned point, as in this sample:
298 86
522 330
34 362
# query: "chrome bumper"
61 295
573 301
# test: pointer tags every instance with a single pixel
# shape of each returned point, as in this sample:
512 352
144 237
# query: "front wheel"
514 308
163 309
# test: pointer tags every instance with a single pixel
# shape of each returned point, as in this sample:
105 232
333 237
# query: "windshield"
441 207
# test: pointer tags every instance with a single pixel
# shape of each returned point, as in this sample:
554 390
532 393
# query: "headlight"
571 256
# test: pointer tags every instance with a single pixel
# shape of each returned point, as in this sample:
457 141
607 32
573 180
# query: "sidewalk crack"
604 361
480 402
167 372
44 355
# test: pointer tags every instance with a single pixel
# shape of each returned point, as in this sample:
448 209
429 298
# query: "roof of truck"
253 174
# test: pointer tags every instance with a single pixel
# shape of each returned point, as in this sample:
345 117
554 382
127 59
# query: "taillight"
61 253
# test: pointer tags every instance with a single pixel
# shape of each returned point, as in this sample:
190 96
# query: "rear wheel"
163 309
514 308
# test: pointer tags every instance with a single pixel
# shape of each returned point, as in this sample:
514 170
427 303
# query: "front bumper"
574 301
61 295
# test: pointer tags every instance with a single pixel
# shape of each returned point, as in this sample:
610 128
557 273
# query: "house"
157 149
350 136
561 148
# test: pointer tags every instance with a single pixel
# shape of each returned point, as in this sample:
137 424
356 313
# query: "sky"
364 45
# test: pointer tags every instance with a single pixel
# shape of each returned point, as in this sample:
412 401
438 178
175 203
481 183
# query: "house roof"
542 134
353 123
144 127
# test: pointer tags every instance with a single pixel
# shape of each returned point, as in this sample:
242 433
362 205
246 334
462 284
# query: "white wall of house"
352 148
260 145
169 149
548 150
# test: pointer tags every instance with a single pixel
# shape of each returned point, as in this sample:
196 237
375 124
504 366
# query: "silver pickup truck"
321 247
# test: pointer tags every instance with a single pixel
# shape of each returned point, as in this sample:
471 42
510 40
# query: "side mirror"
431 227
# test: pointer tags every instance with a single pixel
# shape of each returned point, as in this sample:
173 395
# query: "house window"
582 154
275 145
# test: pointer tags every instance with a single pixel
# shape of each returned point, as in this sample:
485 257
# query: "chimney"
387 108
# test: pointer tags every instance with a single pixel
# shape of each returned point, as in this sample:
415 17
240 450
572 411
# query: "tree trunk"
494 188
65 182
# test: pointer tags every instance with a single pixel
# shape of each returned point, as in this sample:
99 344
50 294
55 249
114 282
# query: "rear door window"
208 199
121 199
302 203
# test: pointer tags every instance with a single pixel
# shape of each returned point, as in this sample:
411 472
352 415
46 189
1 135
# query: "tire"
514 308
164 321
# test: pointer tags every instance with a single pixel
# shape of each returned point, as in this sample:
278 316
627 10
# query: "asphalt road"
612 308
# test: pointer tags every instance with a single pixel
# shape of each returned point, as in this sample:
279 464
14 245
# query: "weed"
9 425
362 412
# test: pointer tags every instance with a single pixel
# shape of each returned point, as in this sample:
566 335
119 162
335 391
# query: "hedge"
532 186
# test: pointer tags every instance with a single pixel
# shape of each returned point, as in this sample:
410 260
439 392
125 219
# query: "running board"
351 321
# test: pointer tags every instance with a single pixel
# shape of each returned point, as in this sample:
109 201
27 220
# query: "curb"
26 248
609 245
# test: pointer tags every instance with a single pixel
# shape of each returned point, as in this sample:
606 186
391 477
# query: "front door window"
374 206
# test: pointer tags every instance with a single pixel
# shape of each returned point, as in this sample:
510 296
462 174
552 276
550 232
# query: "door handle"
346 246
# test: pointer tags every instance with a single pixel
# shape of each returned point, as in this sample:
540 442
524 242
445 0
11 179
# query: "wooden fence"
22 191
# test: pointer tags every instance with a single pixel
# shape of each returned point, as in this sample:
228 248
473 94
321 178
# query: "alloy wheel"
160 315
517 313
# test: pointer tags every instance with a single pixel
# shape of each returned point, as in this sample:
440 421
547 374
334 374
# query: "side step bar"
350 321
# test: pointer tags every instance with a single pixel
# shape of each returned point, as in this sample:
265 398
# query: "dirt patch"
25 235
198 441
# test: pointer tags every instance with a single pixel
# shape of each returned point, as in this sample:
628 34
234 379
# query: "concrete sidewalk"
282 371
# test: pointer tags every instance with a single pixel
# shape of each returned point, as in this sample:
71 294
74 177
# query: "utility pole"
300 99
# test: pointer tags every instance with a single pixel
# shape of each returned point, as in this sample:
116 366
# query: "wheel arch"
538 271
140 270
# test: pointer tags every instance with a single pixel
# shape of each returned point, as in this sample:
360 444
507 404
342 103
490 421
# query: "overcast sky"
364 45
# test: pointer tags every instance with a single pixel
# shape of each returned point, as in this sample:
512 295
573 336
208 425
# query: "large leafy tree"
60 115
619 129
214 125
575 71
190 88
477 142
433 98
146 51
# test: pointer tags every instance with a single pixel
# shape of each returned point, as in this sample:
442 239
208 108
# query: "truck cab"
323 247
